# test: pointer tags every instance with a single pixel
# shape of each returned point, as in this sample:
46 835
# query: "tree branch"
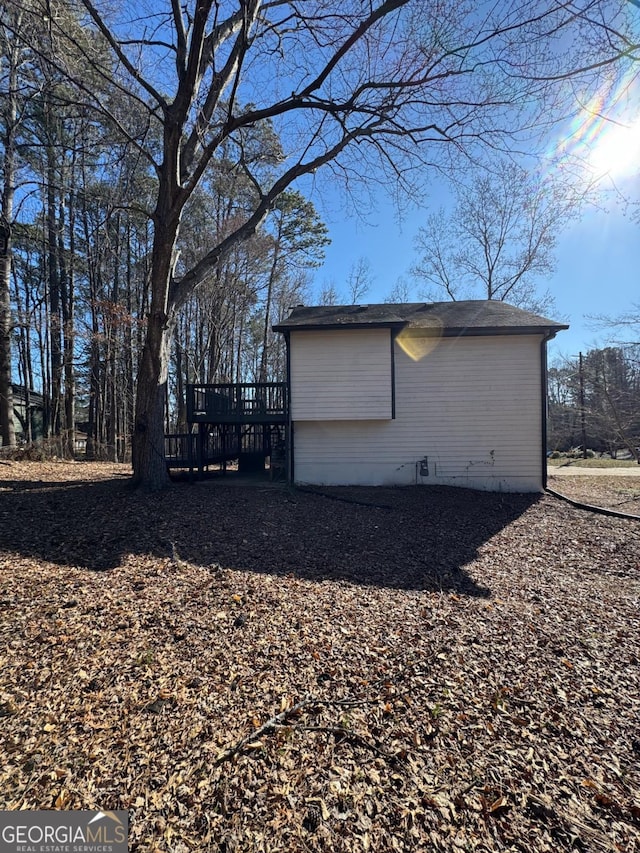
117 49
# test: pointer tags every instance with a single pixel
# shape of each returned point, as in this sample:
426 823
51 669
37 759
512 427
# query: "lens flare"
417 343
605 135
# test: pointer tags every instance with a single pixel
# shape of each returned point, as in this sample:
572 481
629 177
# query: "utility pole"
582 412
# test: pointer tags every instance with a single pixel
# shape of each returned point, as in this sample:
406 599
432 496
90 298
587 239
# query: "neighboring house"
449 393
28 410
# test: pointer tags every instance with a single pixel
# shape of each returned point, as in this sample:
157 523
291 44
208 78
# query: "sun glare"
614 149
605 134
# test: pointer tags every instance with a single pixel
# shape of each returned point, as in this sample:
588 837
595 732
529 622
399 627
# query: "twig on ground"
272 723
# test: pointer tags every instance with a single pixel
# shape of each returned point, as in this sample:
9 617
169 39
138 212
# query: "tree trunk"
113 339
55 325
147 450
7 423
25 368
68 332
128 383
181 416
149 467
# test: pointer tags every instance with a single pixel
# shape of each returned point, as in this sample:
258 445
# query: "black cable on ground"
590 508
309 491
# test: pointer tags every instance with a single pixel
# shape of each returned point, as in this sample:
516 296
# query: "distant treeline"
594 400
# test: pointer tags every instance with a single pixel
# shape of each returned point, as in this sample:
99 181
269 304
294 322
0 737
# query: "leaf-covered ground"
619 493
266 669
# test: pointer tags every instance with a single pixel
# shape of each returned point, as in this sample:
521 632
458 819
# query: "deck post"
223 441
200 442
190 454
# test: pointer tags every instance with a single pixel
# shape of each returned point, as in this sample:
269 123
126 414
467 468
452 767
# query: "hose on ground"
602 510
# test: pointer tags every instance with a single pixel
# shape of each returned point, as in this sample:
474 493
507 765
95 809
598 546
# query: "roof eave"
315 327
450 332
500 330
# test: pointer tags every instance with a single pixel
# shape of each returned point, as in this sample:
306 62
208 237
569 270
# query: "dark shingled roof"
470 317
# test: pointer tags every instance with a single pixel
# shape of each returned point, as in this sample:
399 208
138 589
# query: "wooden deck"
238 403
248 444
244 421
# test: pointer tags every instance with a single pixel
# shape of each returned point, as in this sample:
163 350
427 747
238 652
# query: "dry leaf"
433 707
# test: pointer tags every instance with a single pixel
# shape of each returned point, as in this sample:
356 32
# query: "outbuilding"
447 393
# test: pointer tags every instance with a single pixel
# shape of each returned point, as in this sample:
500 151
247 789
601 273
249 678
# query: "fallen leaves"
619 493
392 670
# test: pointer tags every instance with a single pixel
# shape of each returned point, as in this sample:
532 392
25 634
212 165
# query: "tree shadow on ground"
415 538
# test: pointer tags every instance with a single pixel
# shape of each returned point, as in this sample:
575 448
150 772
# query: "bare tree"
400 292
368 89
594 401
623 329
328 294
499 240
359 280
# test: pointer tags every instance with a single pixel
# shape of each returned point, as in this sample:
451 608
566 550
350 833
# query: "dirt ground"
259 668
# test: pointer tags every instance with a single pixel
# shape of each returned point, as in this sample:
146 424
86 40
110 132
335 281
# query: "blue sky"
597 256
597 271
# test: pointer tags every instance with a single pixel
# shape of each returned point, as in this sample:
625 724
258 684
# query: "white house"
450 393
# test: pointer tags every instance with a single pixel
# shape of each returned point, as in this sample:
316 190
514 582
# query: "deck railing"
180 449
243 402
190 449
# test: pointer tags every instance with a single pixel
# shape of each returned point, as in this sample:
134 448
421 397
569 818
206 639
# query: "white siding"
471 406
341 375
